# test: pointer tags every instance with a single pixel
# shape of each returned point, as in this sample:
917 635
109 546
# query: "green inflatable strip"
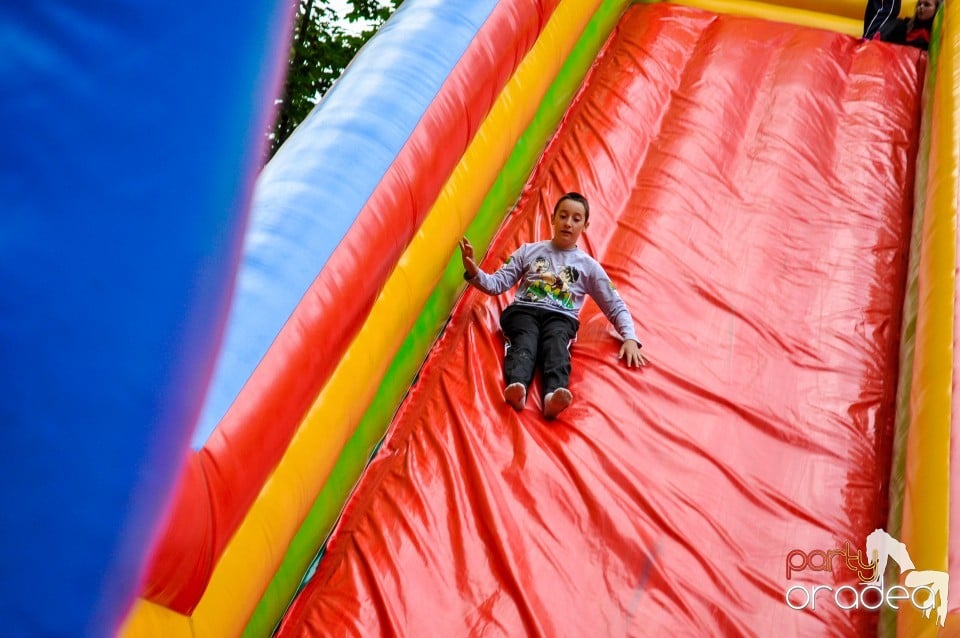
887 624
302 554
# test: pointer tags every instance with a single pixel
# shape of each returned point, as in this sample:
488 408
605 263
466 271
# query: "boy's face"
569 221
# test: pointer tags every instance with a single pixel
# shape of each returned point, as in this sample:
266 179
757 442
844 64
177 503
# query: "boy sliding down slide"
543 319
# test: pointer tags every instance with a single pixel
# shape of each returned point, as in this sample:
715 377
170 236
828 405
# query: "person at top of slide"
880 22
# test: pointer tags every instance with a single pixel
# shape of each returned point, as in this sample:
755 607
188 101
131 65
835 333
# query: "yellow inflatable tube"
926 509
778 13
842 16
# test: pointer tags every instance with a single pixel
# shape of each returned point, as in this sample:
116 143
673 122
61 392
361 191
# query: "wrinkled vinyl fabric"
750 185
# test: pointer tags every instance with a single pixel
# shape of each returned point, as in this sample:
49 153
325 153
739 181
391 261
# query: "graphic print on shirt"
554 287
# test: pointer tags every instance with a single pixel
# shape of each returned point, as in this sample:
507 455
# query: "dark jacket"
909 31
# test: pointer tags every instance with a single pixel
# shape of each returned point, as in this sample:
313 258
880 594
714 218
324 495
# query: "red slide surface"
750 185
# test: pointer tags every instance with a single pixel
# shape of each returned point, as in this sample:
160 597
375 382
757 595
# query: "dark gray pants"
879 17
537 336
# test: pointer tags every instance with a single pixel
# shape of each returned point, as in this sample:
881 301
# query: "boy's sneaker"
556 402
516 395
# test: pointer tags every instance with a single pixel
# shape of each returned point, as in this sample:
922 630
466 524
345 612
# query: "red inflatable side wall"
222 480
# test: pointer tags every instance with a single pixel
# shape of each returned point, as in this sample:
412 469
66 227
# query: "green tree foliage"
321 48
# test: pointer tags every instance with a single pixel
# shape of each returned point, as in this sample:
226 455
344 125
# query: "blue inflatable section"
133 132
365 120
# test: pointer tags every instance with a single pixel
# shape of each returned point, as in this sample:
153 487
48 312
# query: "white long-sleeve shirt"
558 280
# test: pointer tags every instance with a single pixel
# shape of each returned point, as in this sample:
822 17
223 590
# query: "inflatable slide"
774 199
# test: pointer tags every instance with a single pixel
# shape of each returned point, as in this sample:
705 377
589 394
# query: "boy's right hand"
466 254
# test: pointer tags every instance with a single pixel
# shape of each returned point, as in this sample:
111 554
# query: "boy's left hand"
631 350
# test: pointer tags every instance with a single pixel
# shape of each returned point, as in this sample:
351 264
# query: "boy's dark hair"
577 197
